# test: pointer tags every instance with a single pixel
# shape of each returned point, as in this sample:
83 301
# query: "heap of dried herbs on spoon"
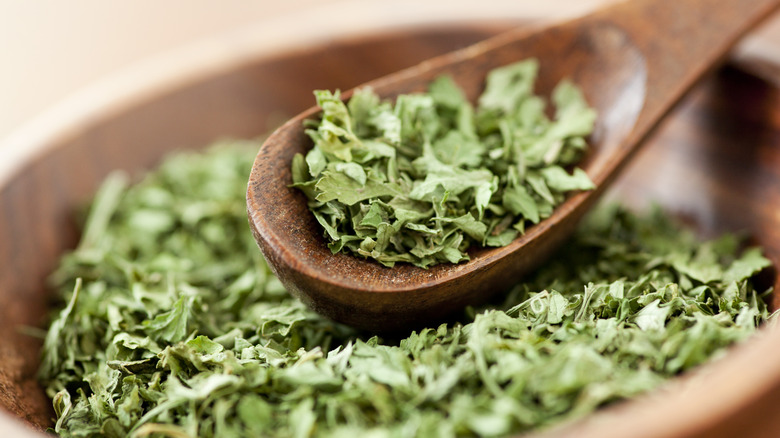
424 179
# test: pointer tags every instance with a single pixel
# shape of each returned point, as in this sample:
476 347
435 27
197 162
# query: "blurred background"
52 49
61 59
54 52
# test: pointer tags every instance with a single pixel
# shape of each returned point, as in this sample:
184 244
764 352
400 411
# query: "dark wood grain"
633 61
715 160
38 205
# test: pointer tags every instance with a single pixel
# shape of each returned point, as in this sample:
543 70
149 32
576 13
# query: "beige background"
55 52
51 49
63 58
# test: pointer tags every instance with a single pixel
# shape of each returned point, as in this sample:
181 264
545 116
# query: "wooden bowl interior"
39 202
602 61
716 160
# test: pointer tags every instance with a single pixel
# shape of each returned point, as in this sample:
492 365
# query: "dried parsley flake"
173 325
425 179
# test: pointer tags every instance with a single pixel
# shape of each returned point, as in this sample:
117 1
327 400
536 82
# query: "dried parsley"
422 181
173 325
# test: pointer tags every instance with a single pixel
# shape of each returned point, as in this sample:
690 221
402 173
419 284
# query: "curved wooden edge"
725 390
147 80
154 77
720 399
365 294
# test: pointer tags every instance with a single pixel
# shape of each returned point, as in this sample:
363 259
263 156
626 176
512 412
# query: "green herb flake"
469 172
184 331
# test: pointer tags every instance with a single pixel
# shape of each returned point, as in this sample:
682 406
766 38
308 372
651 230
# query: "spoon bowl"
633 62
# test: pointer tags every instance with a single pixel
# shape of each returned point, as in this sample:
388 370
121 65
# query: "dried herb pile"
423 180
172 325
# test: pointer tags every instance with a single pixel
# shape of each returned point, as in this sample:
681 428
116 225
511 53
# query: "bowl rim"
202 59
657 413
216 54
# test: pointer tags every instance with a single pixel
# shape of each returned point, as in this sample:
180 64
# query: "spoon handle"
681 41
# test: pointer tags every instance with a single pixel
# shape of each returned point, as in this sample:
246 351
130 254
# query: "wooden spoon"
634 61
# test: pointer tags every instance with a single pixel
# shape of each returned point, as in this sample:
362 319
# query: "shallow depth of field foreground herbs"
172 325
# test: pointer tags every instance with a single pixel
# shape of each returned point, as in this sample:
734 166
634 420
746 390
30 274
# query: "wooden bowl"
716 161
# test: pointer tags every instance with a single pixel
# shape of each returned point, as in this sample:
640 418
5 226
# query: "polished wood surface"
716 160
38 204
633 61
